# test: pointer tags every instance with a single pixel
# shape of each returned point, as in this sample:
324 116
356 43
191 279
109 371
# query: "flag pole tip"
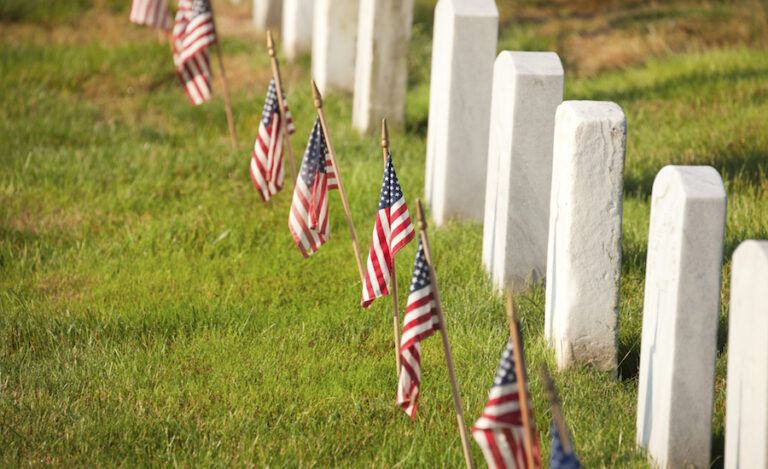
270 43
384 133
420 215
316 96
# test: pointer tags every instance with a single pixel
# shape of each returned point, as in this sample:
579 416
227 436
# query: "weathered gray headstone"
381 62
297 27
527 88
584 254
334 44
680 314
746 427
463 51
267 14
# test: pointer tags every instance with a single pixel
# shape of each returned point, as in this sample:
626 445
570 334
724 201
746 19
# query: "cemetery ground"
154 311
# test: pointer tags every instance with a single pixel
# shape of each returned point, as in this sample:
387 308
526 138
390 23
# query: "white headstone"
297 27
584 254
463 51
381 63
680 315
527 88
746 437
267 14
334 44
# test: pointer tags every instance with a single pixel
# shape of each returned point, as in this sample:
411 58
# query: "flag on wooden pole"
499 431
421 321
441 326
561 459
152 13
193 33
334 163
563 455
267 162
308 220
392 231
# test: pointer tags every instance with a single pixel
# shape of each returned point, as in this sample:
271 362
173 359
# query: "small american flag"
421 321
499 431
152 13
193 32
392 231
267 168
308 220
560 459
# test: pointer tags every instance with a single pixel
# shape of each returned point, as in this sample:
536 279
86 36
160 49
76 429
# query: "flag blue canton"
270 105
505 374
420 277
200 7
314 156
560 459
391 191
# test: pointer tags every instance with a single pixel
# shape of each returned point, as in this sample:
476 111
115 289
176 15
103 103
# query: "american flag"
560 459
152 13
308 220
421 320
499 431
193 32
267 168
392 231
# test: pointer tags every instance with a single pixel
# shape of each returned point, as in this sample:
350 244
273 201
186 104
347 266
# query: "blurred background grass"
154 311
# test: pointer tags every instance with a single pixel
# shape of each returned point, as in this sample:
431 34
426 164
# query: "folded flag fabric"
393 230
308 220
267 165
499 431
421 321
152 13
193 33
560 459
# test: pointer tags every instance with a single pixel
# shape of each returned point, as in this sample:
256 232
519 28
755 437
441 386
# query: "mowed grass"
154 311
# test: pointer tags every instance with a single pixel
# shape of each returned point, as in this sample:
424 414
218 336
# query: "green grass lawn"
154 311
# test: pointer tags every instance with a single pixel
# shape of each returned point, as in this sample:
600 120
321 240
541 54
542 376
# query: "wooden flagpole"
227 98
444 333
557 414
281 103
317 97
393 273
522 384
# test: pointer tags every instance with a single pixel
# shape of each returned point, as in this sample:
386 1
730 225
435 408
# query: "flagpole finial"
384 133
420 215
316 96
270 43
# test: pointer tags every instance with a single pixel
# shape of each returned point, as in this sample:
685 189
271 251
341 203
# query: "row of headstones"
546 179
358 46
552 174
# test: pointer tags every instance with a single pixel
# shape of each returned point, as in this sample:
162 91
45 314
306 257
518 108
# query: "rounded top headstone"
693 182
530 63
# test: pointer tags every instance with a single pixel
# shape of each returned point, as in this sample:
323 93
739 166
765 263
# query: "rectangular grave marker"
746 426
298 19
527 88
334 44
267 14
381 62
463 51
680 315
584 254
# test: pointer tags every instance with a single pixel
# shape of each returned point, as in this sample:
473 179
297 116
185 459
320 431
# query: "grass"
153 311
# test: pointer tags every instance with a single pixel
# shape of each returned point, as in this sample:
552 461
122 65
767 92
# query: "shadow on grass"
676 86
749 166
717 453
